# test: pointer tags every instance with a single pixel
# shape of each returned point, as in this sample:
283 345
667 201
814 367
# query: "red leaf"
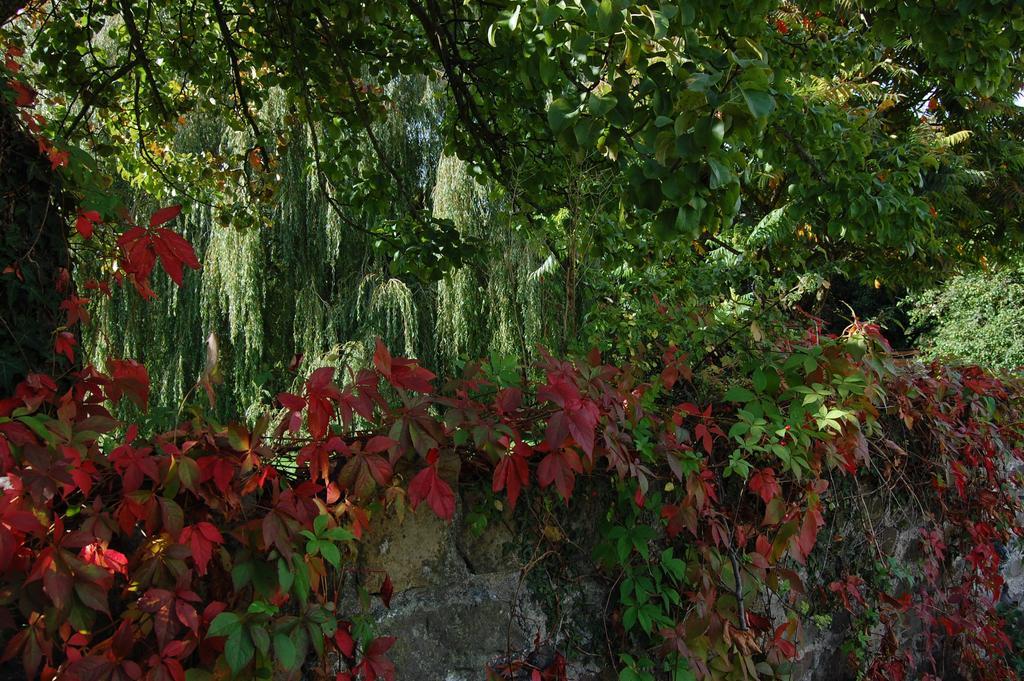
375 665
407 374
559 467
141 247
428 485
291 402
97 553
321 396
786 648
174 252
580 414
365 468
676 520
75 307
508 400
382 358
65 345
387 590
158 603
343 639
58 158
187 615
512 473
201 539
317 456
164 215
220 469
139 256
23 95
401 372
808 535
764 484
85 222
129 378
134 463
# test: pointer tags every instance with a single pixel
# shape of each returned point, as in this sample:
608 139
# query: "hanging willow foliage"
289 276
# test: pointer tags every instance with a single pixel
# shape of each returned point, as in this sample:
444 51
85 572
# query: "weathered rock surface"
463 602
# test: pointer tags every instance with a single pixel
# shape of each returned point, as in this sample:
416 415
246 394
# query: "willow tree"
305 284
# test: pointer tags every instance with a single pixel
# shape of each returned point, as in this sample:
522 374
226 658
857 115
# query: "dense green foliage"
974 318
442 177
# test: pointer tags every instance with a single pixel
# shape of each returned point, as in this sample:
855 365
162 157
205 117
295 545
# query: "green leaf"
301 575
188 472
683 673
513 21
688 221
761 104
548 68
560 113
599 105
606 16
224 624
339 534
320 524
316 637
285 577
664 146
238 650
629 617
285 652
262 608
628 674
738 394
260 638
775 511
39 428
720 173
330 553
675 567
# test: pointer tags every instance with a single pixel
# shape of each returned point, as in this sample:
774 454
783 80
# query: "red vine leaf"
141 248
75 308
375 665
129 378
560 468
65 345
401 372
164 215
763 484
430 487
387 590
579 414
85 222
201 539
321 394
512 473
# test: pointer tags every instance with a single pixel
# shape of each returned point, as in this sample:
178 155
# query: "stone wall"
464 601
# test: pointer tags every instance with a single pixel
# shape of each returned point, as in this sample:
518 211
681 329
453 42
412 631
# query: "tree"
796 133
